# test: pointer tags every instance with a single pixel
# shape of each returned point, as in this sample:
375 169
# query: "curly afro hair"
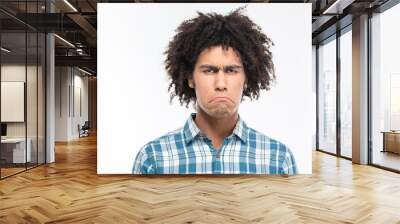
208 30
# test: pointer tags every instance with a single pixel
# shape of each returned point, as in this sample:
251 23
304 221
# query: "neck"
216 128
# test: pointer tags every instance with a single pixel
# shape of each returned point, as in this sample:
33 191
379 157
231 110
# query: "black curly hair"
208 30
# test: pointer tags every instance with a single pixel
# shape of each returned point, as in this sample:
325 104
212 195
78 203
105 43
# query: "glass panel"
22 88
327 96
13 89
31 101
31 85
346 94
386 89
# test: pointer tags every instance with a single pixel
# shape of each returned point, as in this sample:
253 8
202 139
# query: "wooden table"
391 141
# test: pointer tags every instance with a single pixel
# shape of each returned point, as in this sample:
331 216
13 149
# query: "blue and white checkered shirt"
188 151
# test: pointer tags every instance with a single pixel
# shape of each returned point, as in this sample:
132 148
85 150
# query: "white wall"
81 83
12 73
17 72
61 103
68 83
132 89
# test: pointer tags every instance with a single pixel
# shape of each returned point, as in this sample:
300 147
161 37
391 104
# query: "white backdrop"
133 101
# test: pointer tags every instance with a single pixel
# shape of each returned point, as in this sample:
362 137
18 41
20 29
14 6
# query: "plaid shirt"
188 151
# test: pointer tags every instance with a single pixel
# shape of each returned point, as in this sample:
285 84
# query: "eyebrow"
217 68
233 67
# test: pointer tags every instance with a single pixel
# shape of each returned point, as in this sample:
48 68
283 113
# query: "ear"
191 83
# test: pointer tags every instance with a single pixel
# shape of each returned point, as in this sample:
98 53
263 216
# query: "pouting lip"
221 97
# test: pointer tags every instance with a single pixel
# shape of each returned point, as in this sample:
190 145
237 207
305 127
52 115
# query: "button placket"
216 165
224 144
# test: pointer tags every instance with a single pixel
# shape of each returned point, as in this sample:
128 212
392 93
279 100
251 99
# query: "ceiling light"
337 7
70 5
5 50
84 71
64 40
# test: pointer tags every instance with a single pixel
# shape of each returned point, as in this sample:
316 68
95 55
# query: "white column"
50 93
360 90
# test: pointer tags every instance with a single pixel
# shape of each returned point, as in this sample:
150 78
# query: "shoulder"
259 137
266 142
276 149
169 138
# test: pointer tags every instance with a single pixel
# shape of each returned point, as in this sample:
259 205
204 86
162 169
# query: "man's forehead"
217 56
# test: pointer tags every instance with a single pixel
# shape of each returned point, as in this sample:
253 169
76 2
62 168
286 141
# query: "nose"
220 81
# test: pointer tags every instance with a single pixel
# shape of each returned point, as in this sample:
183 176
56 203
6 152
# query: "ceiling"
76 22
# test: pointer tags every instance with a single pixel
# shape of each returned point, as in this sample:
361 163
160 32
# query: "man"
213 62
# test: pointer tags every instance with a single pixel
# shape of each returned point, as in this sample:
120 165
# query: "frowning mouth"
221 98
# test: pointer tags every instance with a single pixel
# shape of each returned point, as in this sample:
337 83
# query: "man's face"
218 80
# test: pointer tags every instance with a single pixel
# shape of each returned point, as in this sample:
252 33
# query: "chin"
221 113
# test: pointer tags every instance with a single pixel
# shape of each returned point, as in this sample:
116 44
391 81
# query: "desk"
16 151
391 141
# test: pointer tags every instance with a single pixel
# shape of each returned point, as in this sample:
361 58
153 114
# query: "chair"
84 130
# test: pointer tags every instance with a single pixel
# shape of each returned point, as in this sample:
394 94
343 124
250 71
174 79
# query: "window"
327 96
346 93
385 88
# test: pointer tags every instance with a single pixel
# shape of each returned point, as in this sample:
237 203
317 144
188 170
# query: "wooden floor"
10 171
70 191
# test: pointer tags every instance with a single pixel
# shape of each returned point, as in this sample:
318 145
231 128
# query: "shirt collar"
191 131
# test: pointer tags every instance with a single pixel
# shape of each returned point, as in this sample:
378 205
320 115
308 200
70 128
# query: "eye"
231 71
209 70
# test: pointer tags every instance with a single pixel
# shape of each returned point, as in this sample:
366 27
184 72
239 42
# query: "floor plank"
70 191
